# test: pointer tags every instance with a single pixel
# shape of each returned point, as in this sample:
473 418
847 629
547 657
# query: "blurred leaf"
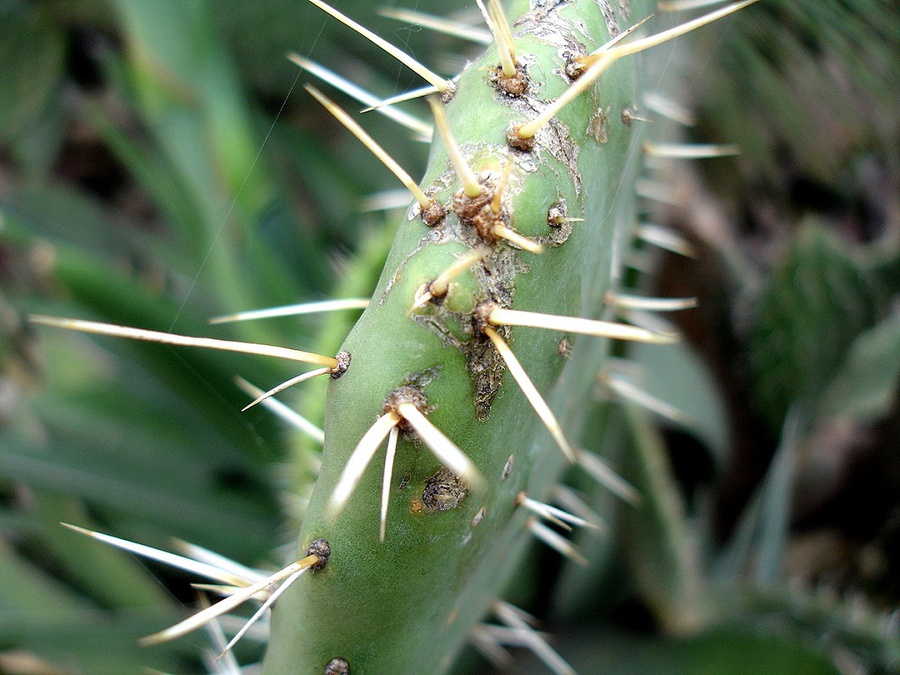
29 590
758 542
815 85
32 52
815 304
848 625
188 96
61 214
775 501
663 551
605 433
39 613
676 375
261 33
866 386
99 642
730 650
146 429
114 578
31 62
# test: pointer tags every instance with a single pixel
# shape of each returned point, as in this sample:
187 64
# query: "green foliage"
32 54
865 385
816 303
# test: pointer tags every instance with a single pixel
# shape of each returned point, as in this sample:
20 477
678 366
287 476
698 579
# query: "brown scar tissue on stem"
322 550
405 394
478 211
444 491
337 666
517 142
514 86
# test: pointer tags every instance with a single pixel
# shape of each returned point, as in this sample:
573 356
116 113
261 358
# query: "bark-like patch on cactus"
434 214
321 549
513 86
343 362
598 126
408 393
337 666
609 15
444 490
487 371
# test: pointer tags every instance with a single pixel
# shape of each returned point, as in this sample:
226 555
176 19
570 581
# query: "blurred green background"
160 165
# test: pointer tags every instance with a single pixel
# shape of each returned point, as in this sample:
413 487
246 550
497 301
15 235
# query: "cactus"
462 373
453 535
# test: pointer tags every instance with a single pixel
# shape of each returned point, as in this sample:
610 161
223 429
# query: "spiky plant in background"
82 449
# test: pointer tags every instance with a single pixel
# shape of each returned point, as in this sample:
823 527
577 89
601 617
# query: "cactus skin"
407 605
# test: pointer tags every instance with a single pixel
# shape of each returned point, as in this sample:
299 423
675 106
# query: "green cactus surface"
408 604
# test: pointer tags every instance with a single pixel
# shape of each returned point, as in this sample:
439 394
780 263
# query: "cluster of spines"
479 203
